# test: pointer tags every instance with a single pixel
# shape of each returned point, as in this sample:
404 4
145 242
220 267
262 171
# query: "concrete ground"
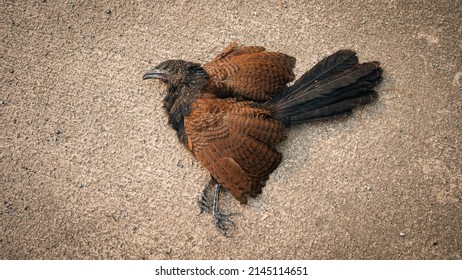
89 168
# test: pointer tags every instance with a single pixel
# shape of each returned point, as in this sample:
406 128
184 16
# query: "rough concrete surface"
89 169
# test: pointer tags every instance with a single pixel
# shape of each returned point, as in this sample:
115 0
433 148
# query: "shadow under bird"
232 111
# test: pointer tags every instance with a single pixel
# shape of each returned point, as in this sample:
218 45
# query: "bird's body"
231 112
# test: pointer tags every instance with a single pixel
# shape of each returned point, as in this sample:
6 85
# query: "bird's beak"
155 74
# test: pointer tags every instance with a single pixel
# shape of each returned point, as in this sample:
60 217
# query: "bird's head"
175 73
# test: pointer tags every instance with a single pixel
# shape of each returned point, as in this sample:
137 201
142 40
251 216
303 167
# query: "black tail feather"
341 107
335 85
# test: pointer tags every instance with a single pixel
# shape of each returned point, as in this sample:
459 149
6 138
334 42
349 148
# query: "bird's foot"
222 221
203 201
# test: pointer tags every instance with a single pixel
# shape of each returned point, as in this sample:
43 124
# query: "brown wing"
234 142
250 72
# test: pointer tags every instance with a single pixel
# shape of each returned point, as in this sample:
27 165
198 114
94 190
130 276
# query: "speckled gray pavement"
89 168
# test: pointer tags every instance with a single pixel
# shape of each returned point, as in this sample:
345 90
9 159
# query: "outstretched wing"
249 72
234 143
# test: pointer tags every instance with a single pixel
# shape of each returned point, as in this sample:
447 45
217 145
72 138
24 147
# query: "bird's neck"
178 100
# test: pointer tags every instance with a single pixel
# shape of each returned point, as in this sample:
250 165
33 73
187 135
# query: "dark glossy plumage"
232 111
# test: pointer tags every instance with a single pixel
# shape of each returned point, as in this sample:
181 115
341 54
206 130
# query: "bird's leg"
204 202
221 221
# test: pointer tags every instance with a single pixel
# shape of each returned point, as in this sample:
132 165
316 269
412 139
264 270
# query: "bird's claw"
203 200
222 222
204 203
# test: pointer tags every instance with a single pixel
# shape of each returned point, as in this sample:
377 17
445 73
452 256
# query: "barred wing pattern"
249 72
233 140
